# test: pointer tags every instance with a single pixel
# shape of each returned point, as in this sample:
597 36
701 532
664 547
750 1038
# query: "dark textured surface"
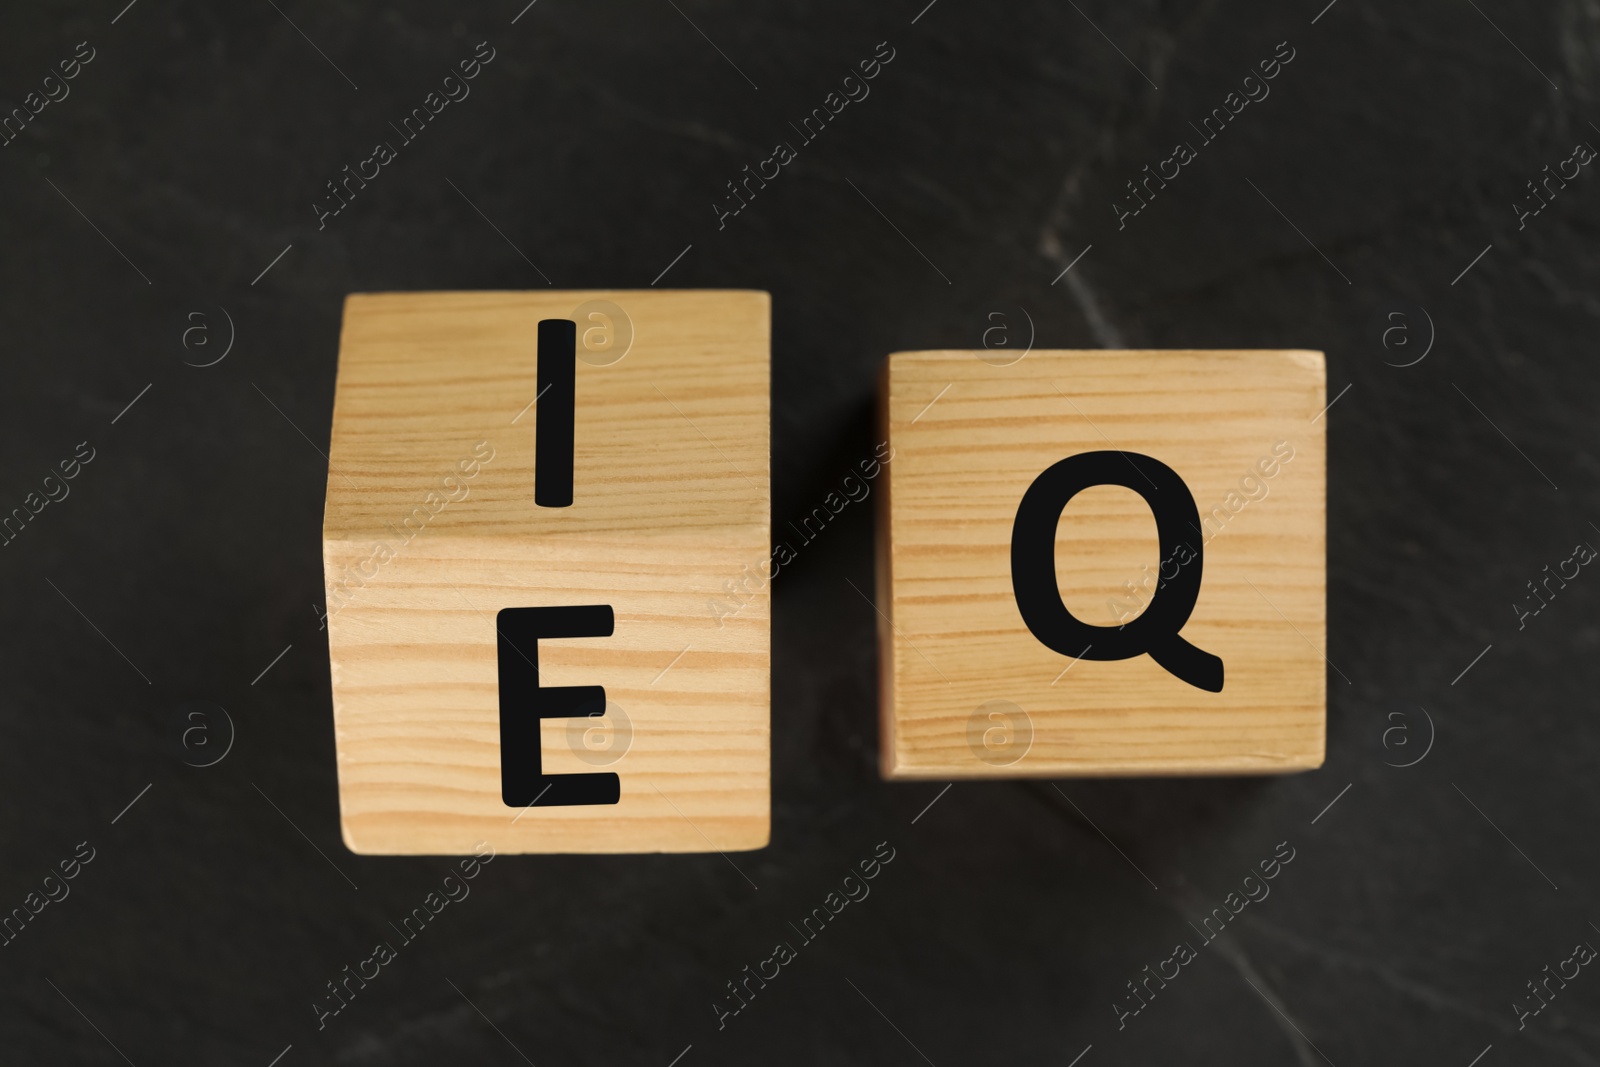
597 140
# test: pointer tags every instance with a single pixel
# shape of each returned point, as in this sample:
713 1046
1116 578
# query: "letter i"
555 414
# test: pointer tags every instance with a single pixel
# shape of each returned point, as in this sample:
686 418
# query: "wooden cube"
485 634
1102 563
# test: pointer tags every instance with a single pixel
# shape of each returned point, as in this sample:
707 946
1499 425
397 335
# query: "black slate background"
1396 141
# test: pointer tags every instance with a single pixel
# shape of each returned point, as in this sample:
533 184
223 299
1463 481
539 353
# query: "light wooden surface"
671 501
951 637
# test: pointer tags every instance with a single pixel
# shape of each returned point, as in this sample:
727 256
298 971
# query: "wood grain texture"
952 638
431 528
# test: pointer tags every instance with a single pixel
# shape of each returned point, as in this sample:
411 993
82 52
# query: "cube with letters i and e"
537 502
1102 563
